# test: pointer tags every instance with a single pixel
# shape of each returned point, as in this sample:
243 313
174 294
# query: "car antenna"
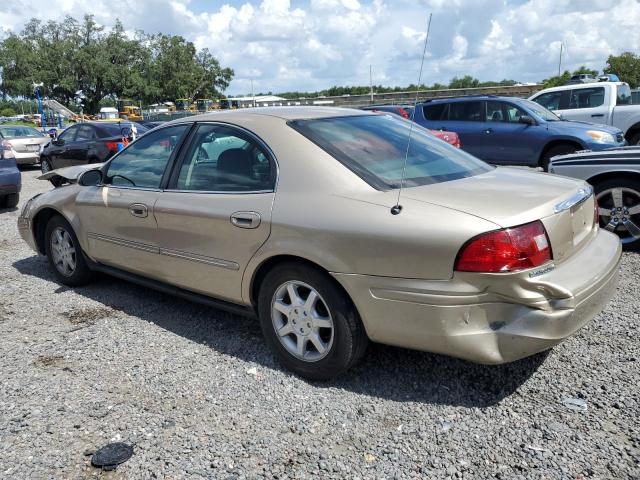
397 208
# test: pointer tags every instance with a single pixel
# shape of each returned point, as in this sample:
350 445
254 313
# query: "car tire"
630 190
65 254
10 201
555 151
635 139
45 165
331 322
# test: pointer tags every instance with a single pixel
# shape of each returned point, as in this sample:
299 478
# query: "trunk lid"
28 144
510 197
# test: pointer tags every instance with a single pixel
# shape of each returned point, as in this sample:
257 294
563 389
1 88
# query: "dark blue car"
513 131
10 180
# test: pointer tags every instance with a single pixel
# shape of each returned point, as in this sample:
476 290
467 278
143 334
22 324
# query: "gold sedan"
295 215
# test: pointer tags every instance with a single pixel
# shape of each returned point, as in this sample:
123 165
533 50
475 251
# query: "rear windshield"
374 148
16 132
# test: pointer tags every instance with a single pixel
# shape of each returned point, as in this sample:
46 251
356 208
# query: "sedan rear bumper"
511 317
27 158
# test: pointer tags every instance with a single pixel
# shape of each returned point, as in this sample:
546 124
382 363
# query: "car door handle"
488 130
246 219
138 210
597 115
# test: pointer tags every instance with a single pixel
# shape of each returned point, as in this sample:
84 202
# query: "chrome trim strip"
124 243
216 262
576 199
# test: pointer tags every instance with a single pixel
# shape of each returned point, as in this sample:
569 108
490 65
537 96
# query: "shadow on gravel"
386 372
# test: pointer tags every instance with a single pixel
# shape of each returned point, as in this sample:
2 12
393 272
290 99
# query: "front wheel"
10 201
554 152
45 165
309 323
619 202
65 254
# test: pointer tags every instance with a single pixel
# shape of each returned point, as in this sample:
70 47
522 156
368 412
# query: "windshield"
374 148
540 112
17 132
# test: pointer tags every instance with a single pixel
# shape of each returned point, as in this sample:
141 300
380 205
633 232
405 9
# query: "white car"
607 103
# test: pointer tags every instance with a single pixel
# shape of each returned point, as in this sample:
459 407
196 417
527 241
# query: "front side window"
143 163
69 134
225 159
85 133
466 112
374 148
586 97
549 100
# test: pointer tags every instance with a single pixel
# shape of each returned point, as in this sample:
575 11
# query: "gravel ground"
198 394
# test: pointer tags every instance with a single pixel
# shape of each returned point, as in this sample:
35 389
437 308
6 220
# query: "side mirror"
90 178
527 120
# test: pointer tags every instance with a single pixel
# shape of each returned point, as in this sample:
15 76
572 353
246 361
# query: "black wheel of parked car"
555 151
45 165
619 202
65 254
10 201
635 139
309 322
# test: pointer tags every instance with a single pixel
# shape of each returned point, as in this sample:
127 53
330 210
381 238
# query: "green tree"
626 66
7 112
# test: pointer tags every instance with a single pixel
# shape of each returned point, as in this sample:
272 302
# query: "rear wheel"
619 202
309 323
555 151
11 200
65 254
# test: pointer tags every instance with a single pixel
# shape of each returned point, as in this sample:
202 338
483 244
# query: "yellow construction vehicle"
128 110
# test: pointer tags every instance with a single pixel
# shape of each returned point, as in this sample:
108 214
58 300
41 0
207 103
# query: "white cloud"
319 43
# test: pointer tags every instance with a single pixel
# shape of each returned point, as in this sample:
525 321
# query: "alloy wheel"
302 321
620 212
63 251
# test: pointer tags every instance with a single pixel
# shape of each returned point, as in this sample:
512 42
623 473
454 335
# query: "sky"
287 45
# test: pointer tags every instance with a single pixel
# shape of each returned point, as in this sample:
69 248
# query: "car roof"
467 98
577 85
285 113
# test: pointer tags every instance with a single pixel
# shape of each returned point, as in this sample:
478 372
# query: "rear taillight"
403 113
6 150
508 250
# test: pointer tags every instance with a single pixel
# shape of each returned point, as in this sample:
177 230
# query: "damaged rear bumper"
490 318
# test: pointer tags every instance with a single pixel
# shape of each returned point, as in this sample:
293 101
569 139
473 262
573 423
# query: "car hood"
70 174
504 196
565 126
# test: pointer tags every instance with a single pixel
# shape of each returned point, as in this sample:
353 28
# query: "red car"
406 111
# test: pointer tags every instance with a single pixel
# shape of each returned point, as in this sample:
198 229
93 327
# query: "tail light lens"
403 113
508 250
6 150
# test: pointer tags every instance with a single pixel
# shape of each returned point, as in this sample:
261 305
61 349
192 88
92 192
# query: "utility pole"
560 61
371 82
253 95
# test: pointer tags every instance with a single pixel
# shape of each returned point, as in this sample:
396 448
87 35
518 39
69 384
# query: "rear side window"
437 111
466 112
224 159
143 163
586 97
550 101
374 148
623 96
85 133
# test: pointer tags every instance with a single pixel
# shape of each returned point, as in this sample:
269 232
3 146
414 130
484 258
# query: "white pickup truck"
608 103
